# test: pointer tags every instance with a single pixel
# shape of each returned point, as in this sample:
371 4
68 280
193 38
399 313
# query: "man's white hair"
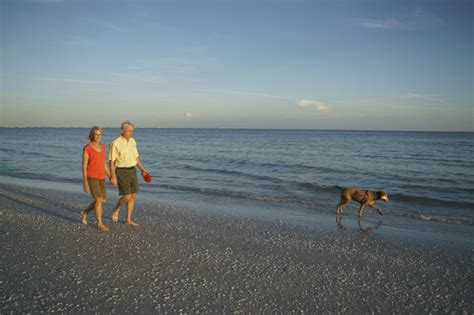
125 124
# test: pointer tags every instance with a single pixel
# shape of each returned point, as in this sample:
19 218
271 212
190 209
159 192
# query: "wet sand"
182 261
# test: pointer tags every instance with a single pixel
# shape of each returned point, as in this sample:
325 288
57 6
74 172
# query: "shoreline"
181 260
424 226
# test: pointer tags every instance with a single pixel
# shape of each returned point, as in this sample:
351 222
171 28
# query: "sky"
358 65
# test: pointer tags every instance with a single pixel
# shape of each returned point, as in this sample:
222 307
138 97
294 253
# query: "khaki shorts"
97 187
127 181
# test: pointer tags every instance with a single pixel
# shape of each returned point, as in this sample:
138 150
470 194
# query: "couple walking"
123 160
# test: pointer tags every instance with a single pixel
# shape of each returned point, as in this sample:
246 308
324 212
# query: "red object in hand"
147 177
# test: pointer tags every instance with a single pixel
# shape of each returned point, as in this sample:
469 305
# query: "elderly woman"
94 170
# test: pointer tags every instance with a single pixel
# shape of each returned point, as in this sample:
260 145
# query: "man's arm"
140 166
113 175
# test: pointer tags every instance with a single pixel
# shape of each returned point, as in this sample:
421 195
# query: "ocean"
290 175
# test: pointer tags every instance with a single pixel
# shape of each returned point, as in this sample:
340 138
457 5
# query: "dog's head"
382 195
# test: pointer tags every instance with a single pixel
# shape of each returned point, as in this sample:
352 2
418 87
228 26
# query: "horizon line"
234 128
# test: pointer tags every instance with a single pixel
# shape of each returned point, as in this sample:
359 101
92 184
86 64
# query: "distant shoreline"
249 129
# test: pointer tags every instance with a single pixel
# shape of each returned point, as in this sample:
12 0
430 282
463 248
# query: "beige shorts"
97 187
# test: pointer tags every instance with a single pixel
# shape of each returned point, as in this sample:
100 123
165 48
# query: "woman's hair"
92 133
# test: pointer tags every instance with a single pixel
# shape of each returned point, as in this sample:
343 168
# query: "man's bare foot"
103 228
115 215
84 217
130 222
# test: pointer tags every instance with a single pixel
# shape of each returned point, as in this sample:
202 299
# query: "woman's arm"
85 160
107 172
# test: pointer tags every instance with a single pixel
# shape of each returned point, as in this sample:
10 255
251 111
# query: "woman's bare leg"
98 214
85 211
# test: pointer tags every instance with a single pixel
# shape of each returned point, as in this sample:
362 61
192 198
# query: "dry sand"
181 261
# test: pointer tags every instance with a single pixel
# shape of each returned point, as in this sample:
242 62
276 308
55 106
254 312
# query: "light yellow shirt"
123 152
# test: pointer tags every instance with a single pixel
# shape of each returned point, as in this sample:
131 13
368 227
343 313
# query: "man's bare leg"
85 211
98 214
130 205
122 201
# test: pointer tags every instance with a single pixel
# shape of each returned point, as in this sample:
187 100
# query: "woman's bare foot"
115 215
103 227
84 217
130 222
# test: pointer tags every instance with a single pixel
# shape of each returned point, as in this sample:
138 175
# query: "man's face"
127 132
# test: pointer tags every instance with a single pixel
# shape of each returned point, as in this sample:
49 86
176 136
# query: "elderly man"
123 159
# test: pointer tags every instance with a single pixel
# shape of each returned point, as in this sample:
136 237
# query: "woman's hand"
86 187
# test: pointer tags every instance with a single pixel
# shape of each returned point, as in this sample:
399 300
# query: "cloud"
76 40
188 115
389 23
115 28
140 77
245 93
416 19
319 106
71 80
45 1
423 97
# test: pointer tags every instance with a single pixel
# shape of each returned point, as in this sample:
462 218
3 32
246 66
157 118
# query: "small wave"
423 200
300 167
468 190
243 195
445 219
231 173
23 153
319 187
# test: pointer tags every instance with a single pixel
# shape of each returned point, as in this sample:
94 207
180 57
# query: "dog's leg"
374 206
361 210
359 225
344 201
341 206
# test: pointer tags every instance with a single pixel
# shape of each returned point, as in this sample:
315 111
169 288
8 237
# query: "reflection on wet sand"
360 226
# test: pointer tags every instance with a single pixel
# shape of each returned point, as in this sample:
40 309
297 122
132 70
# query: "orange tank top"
96 162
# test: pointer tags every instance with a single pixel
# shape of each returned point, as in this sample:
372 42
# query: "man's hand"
113 180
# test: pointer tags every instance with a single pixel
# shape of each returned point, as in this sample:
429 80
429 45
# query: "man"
123 159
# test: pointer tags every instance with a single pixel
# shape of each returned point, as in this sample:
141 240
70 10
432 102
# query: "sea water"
282 173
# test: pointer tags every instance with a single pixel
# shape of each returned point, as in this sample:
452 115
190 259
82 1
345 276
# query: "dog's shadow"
367 230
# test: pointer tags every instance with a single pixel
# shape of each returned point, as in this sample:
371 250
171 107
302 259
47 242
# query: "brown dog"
364 197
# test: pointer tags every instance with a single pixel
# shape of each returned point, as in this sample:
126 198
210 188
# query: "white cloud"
424 97
319 106
139 77
45 1
416 19
188 115
71 80
389 23
115 28
77 40
245 93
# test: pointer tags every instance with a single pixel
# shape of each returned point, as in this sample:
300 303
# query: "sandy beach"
183 261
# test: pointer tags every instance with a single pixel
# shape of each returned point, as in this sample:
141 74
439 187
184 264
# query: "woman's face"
97 136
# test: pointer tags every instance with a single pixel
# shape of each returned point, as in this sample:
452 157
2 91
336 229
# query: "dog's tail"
339 187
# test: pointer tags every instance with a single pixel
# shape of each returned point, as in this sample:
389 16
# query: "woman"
94 170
